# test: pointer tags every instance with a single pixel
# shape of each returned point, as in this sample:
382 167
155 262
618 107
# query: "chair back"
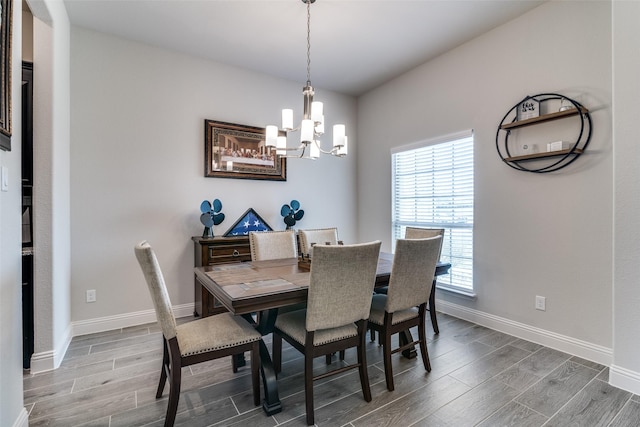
266 245
414 266
341 284
424 233
157 288
318 236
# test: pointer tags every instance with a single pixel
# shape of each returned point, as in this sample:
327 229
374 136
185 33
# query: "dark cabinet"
27 214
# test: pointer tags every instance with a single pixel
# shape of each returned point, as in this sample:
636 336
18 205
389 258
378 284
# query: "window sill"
457 291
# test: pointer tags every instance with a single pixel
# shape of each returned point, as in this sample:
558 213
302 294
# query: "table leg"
271 403
405 338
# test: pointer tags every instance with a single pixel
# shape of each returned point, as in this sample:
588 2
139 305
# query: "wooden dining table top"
260 285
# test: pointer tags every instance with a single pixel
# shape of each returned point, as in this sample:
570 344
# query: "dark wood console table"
213 251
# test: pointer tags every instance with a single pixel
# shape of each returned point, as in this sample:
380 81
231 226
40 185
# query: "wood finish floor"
480 377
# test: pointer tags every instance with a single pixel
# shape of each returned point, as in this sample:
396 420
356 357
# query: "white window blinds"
433 188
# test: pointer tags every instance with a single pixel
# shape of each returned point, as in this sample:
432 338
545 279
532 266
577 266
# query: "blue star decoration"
249 222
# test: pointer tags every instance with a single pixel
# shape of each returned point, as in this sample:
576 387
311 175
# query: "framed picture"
249 221
240 151
5 74
528 108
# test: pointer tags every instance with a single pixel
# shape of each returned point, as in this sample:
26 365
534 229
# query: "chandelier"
312 126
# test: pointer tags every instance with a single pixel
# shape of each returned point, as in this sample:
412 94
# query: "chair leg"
234 364
165 369
373 335
422 336
342 353
362 368
327 358
255 372
308 388
386 350
432 308
277 352
174 392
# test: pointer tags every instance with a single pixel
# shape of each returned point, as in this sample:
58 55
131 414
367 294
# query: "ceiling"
355 45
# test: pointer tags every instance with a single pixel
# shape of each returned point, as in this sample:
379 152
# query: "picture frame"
5 74
528 108
248 221
239 151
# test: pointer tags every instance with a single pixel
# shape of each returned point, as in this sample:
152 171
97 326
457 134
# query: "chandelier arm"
333 151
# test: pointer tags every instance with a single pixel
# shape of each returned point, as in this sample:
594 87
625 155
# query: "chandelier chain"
308 42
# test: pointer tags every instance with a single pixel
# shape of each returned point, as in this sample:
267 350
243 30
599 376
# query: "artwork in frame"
239 151
5 74
249 221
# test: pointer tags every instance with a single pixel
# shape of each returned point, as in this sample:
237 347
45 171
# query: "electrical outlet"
541 303
91 295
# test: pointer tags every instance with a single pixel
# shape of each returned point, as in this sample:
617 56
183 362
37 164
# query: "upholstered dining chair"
421 233
424 233
318 236
404 306
339 298
197 341
266 245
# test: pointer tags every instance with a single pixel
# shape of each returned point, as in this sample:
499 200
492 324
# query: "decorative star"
256 223
246 224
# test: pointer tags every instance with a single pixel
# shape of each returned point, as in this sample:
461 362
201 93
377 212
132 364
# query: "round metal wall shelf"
549 161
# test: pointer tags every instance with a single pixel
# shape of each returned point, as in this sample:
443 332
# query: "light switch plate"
5 178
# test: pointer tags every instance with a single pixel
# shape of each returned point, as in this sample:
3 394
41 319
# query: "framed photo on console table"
239 151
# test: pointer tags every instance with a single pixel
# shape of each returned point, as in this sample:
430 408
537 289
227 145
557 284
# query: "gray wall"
137 158
625 370
534 234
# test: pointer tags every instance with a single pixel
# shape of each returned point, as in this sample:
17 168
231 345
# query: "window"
433 188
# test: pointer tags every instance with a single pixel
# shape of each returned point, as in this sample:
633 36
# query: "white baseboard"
109 323
624 379
583 349
49 360
23 419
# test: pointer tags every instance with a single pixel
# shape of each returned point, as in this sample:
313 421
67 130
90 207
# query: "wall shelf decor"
552 107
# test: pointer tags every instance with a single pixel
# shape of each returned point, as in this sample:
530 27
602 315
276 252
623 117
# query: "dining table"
264 287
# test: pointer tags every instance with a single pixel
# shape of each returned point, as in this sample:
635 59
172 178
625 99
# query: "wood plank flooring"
479 377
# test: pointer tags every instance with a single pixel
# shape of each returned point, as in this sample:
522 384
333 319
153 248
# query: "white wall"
51 191
534 234
12 412
625 371
137 171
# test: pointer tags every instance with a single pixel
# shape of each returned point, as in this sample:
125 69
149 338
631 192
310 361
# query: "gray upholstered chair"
197 341
318 236
404 306
421 233
266 245
424 233
340 291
